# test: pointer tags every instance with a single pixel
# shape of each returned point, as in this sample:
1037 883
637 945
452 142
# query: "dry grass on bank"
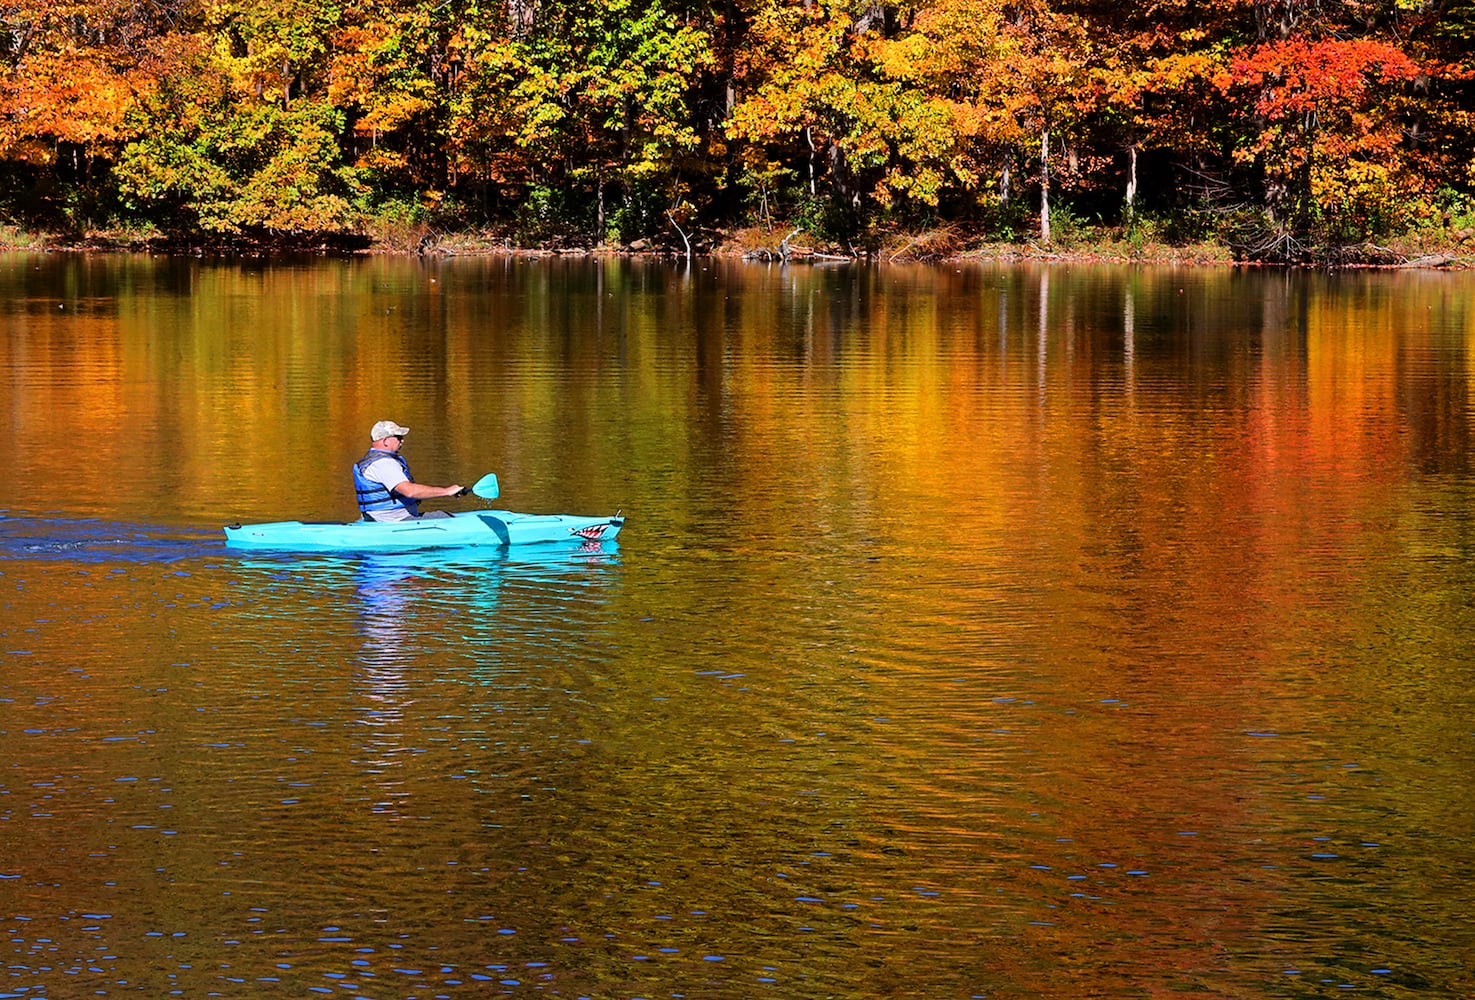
1433 248
1429 249
952 243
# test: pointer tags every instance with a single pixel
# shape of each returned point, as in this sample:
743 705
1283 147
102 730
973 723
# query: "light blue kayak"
473 527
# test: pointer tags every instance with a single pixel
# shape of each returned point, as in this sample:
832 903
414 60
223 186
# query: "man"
386 490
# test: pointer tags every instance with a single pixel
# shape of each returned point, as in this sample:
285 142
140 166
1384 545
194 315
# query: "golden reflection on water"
1020 631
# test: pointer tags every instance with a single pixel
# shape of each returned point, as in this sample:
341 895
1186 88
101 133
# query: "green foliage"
394 210
226 164
596 95
1456 208
1194 223
544 216
765 183
1067 229
829 220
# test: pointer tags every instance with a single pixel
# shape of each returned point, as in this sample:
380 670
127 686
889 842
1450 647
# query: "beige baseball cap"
387 428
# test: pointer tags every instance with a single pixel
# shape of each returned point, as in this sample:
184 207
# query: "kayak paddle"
486 487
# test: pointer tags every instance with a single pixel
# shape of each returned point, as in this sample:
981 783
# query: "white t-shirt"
387 472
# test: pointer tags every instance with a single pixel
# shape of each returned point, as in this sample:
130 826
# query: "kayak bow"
475 527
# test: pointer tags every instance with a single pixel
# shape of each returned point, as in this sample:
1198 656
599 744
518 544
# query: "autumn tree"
1332 161
237 135
1150 92
72 71
856 106
1438 111
951 57
588 100
1044 71
904 109
395 67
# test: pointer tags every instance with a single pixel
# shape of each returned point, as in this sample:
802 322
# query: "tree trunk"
809 137
599 187
1131 183
520 16
1045 185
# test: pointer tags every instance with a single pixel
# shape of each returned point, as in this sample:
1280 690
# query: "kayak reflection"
462 635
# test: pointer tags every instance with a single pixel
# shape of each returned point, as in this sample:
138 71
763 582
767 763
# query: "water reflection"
1037 631
385 590
400 595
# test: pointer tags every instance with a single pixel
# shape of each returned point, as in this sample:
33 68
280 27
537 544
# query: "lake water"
977 631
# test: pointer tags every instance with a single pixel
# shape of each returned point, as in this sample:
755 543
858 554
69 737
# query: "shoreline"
926 248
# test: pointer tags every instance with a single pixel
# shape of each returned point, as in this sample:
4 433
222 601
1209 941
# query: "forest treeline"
1291 129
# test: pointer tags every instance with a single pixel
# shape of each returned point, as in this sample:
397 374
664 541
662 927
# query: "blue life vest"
376 497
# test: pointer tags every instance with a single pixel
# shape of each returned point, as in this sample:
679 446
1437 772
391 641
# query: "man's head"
387 434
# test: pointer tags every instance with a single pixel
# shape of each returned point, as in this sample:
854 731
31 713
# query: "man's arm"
420 491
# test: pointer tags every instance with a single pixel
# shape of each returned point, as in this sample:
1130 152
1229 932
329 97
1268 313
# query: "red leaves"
1297 76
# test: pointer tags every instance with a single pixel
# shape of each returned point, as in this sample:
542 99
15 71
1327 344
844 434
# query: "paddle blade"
486 487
